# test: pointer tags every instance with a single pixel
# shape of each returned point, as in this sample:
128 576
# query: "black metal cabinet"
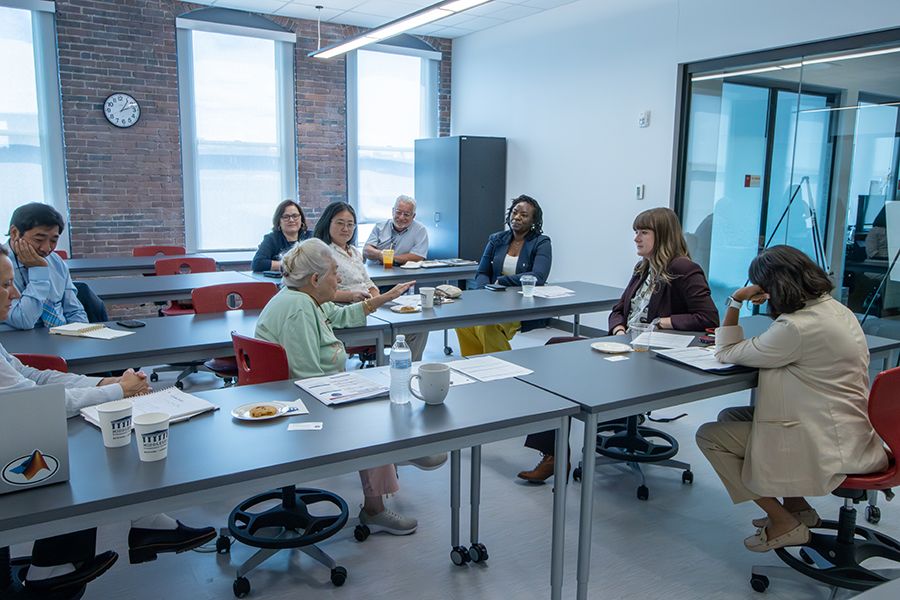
460 193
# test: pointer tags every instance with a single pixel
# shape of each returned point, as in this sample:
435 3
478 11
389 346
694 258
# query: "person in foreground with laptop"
67 562
810 426
302 317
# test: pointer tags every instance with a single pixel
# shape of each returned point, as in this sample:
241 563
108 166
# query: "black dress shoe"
145 544
88 571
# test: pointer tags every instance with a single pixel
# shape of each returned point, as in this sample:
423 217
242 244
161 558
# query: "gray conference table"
113 266
616 389
484 307
141 290
382 277
214 456
164 340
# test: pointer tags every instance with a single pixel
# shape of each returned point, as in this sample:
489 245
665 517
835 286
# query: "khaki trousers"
724 444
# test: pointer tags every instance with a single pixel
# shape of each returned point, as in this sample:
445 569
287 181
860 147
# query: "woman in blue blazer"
521 250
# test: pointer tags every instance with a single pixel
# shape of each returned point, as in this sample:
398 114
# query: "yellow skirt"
484 339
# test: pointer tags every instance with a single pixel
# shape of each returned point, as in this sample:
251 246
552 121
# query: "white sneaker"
388 521
426 463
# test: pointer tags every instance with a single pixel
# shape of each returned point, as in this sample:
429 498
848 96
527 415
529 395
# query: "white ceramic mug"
152 432
427 297
434 382
115 422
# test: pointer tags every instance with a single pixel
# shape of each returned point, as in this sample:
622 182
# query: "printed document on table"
456 378
552 291
699 358
408 300
659 339
342 387
488 368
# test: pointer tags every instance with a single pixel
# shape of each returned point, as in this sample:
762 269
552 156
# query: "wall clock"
122 110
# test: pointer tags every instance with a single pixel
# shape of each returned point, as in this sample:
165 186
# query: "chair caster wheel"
361 533
448 350
179 385
687 477
576 474
241 587
759 583
478 553
223 545
338 576
873 514
643 492
154 376
460 555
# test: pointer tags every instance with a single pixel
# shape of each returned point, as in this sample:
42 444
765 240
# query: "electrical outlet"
639 192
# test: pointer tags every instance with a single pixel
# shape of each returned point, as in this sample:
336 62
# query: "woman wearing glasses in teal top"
288 228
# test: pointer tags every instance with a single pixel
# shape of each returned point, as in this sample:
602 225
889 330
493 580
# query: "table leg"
454 498
587 505
576 325
475 494
379 349
560 475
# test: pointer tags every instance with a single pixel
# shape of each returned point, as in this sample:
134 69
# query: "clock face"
121 110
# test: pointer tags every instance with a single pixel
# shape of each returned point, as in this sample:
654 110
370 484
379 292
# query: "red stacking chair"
225 297
62 254
259 361
43 362
177 266
157 250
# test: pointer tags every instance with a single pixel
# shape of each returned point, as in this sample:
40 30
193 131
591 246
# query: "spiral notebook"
179 405
89 330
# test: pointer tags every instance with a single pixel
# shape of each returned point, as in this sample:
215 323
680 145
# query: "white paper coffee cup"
115 422
152 433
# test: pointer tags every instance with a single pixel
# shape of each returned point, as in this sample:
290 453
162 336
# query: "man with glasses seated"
407 237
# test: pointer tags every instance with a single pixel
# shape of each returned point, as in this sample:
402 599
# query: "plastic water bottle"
401 369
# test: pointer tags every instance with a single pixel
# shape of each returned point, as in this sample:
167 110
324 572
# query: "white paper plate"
611 347
411 265
243 412
399 309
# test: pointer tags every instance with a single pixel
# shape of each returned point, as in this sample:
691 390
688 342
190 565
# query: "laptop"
34 441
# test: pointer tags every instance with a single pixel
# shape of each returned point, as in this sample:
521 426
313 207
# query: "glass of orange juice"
387 257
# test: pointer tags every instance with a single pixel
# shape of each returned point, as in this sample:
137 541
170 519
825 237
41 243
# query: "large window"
236 96
794 146
31 148
392 100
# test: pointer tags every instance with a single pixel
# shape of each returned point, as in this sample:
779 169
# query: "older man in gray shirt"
403 233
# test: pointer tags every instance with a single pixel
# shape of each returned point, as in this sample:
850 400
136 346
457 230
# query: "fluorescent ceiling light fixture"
398 26
805 62
859 107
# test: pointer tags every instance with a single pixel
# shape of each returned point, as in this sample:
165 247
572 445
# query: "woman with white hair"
301 318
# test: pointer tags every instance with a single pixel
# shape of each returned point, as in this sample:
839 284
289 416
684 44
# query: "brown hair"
276 220
790 278
668 241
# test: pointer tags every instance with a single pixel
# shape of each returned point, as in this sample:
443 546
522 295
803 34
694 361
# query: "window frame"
399 45
50 128
247 25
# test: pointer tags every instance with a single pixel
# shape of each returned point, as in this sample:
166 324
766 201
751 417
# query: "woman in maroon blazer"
666 289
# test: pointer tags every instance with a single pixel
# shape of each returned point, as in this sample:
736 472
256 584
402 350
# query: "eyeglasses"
297 217
401 213
344 225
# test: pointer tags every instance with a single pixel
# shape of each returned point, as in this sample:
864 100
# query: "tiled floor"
684 543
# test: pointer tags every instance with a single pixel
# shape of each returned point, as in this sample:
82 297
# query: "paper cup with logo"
427 297
152 433
115 422
528 283
434 382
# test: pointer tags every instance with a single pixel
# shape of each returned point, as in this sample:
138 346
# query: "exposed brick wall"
125 185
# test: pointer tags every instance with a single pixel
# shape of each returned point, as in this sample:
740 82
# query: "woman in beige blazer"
810 426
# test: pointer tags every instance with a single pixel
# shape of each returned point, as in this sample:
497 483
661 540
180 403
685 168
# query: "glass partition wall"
795 146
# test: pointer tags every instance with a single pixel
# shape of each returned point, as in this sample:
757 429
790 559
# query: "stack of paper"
699 358
488 368
552 291
179 405
658 339
342 387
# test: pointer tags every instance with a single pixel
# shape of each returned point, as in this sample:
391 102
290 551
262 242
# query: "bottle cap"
401 337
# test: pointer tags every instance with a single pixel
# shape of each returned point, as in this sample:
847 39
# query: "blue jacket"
534 259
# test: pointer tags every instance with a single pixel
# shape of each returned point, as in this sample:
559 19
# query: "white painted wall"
565 88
